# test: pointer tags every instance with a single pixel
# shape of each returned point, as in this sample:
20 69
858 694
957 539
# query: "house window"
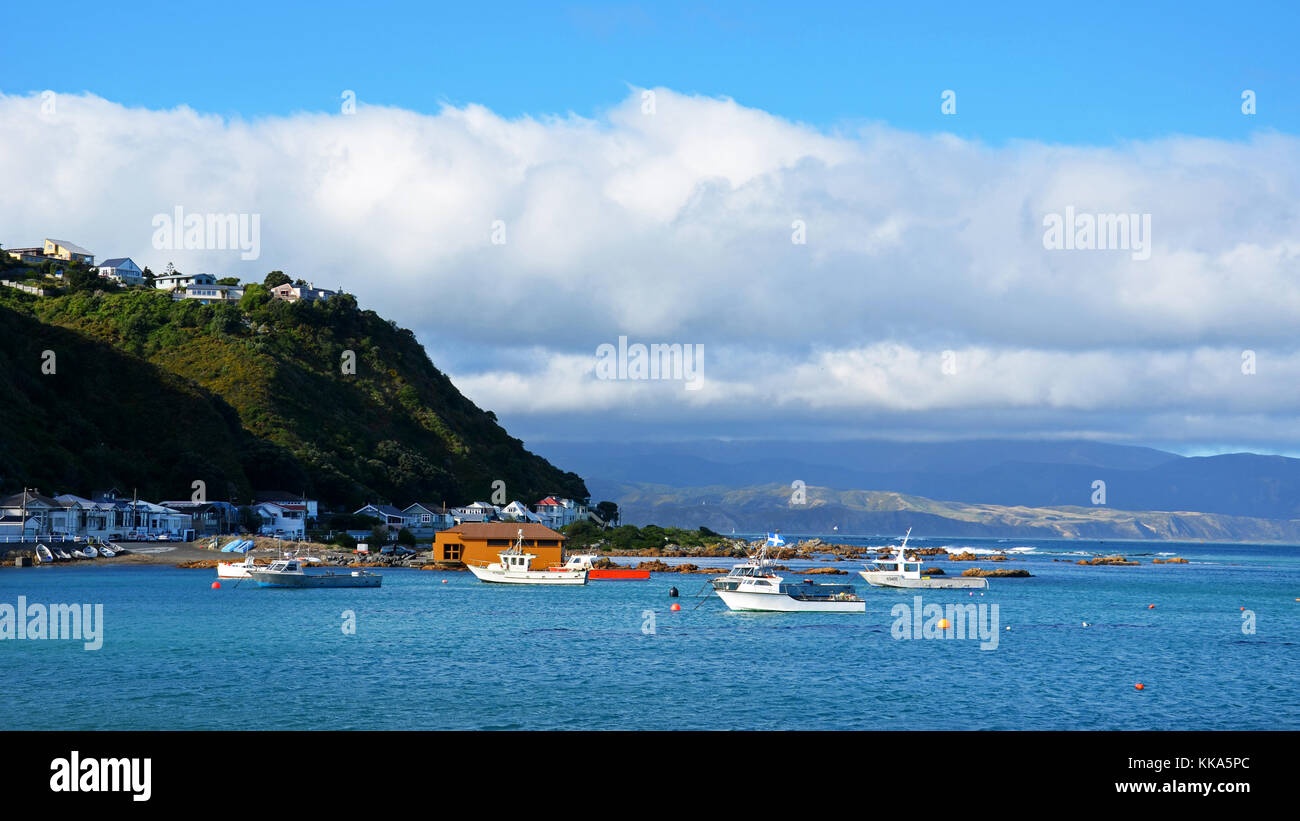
451 552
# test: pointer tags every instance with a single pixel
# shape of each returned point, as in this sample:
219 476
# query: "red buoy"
1139 686
1151 607
216 585
675 607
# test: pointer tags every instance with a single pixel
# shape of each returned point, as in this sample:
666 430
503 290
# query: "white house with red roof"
558 512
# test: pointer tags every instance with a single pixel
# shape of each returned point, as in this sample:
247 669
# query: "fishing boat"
587 562
290 573
773 594
897 571
43 554
758 566
515 567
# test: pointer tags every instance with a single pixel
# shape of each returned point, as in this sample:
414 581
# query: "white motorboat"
61 554
236 570
515 567
897 571
43 554
91 551
106 551
773 594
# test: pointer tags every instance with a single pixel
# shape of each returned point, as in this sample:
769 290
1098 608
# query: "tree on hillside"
228 281
608 512
149 277
79 278
276 278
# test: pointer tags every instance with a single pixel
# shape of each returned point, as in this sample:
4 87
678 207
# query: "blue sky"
1092 73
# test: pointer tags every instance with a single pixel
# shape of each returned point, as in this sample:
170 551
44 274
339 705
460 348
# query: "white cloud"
675 227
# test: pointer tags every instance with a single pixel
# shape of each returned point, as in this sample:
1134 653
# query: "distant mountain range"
984 487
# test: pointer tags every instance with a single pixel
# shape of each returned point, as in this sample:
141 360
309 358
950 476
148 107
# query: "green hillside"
152 393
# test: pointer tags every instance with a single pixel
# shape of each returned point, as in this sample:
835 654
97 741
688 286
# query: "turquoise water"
178 655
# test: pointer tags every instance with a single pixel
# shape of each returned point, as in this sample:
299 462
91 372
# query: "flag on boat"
775 540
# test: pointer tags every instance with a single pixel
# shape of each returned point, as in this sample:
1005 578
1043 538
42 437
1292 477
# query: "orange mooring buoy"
216 585
1151 607
944 624
675 607
1139 686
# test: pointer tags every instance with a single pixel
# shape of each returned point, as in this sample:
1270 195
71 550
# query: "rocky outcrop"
999 573
1108 561
1174 560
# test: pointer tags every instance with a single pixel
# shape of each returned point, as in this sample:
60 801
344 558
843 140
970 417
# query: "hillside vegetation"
153 394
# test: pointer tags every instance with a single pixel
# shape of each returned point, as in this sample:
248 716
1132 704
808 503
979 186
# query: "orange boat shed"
480 542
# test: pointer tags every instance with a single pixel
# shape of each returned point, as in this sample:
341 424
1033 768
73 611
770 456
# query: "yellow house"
61 249
480 542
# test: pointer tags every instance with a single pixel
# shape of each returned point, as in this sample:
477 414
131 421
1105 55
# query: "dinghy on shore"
43 554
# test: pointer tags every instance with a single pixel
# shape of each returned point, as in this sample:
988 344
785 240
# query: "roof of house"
16 500
503 530
115 262
550 500
387 510
427 508
73 247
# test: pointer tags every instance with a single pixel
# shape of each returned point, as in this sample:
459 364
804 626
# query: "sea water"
441 650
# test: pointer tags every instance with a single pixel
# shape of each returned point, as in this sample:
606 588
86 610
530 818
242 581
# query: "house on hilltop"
62 249
123 270
306 293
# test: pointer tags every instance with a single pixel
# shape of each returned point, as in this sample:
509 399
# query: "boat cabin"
516 561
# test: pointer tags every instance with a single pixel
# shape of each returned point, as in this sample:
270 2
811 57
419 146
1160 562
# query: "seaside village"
457 534
111 516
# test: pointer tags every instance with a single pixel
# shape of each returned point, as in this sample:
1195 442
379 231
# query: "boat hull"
233 570
314 580
493 575
611 574
782 603
942 583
